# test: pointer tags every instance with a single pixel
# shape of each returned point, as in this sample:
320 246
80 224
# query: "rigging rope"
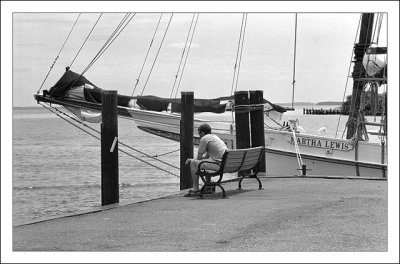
360 117
89 133
364 41
237 55
241 51
347 79
294 59
159 48
145 59
379 28
296 147
183 53
187 54
110 40
85 40
58 55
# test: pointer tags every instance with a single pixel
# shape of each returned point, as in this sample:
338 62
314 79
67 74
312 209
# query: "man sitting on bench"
211 148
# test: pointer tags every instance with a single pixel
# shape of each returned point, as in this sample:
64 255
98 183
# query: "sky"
32 34
324 46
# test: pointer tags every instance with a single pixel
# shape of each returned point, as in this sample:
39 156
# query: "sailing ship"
288 149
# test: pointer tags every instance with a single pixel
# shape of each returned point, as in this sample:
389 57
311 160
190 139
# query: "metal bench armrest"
201 171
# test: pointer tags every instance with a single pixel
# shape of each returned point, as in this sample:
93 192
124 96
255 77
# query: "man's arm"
200 156
202 149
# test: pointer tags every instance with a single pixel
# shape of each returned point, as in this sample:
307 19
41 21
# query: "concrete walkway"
290 214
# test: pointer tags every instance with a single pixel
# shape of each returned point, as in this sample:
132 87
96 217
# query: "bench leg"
240 184
202 191
259 183
205 186
223 190
209 189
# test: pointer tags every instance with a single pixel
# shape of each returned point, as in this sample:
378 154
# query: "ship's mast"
359 73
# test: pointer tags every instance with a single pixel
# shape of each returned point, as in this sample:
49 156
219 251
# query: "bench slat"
249 166
235 154
231 170
232 166
253 159
235 160
253 154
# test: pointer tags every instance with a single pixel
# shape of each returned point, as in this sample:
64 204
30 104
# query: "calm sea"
57 167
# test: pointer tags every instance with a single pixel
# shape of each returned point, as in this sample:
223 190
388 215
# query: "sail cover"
75 86
154 103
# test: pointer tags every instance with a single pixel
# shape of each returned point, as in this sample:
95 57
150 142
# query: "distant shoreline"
310 103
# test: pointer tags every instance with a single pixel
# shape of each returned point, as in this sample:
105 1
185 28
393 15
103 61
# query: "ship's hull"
323 156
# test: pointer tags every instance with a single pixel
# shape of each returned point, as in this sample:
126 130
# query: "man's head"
204 129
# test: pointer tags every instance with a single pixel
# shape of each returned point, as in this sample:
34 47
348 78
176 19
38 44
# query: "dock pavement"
289 214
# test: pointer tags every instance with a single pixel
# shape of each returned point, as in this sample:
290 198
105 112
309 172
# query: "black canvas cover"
66 82
93 94
154 103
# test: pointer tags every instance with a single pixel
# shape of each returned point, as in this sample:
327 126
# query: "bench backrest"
241 159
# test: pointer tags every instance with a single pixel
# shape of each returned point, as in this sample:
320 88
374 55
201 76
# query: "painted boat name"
322 143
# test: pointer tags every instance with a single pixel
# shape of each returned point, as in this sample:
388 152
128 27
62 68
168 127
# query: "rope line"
110 40
141 152
58 55
59 115
145 59
237 55
85 40
294 59
347 79
187 54
241 51
158 51
123 144
296 146
149 156
183 53
359 117
166 153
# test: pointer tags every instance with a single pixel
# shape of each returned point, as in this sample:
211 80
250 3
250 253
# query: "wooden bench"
244 161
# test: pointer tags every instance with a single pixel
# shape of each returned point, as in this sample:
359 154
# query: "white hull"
323 156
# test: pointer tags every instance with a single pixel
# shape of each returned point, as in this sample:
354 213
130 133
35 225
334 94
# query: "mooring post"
186 138
242 119
257 123
109 148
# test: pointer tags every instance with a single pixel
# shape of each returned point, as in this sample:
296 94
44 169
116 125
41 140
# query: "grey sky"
324 47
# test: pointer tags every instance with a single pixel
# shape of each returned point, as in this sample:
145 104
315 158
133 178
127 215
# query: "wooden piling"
186 138
257 123
109 148
242 120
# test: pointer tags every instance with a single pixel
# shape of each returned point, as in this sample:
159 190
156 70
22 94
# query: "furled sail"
154 103
76 87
